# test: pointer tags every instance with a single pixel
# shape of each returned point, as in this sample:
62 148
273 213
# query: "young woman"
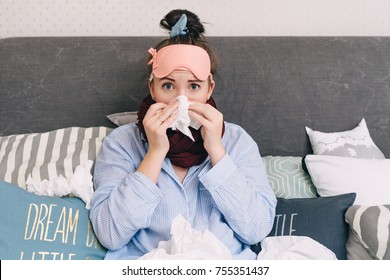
146 174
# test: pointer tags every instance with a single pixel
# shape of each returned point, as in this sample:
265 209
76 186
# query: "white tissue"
79 185
293 248
187 243
183 121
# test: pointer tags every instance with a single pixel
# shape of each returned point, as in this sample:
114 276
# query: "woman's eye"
167 86
194 86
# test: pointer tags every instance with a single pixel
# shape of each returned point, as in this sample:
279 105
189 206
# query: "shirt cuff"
218 174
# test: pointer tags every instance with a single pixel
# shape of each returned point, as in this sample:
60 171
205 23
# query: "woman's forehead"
181 74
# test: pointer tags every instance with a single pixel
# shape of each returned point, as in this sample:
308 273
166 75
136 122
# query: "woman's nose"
183 92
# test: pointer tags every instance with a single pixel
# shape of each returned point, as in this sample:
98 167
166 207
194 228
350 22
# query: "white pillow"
368 178
355 143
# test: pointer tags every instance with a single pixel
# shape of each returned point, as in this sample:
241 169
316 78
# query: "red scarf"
183 151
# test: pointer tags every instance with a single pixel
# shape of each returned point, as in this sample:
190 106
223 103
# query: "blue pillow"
320 218
44 228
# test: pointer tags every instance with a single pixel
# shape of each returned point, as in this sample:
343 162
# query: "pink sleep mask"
180 56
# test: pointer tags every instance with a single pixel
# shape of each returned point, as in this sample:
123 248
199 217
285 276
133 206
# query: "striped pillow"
371 225
48 155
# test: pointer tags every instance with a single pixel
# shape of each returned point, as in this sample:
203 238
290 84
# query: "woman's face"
181 82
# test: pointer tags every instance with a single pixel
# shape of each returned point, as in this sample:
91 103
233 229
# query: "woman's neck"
181 172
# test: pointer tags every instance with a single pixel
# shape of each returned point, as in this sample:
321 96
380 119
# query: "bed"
318 107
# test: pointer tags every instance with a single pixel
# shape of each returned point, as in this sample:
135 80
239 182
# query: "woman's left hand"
211 130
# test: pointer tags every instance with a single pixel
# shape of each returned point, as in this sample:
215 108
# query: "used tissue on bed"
79 185
183 121
187 243
293 248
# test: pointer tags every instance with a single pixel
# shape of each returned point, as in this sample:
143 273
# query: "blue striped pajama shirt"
130 214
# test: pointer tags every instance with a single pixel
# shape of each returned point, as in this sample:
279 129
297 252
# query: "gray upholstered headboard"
272 86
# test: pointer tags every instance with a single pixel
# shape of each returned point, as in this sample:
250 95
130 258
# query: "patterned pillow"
371 225
355 249
48 155
287 178
355 143
37 227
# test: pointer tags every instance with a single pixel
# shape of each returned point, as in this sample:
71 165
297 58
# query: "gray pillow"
355 249
355 143
371 225
48 155
123 118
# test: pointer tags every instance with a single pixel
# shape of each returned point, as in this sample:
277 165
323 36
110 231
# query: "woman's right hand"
156 122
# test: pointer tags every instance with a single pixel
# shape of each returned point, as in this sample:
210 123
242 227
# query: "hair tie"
180 28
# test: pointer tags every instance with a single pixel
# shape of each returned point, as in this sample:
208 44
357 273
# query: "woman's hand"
156 122
211 130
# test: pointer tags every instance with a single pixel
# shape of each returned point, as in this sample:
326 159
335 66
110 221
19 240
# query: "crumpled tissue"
293 248
183 121
79 185
187 243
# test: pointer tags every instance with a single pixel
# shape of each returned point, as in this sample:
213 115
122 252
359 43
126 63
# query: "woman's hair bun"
195 27
194 35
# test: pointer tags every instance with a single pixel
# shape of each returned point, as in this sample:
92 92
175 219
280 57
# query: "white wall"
225 17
